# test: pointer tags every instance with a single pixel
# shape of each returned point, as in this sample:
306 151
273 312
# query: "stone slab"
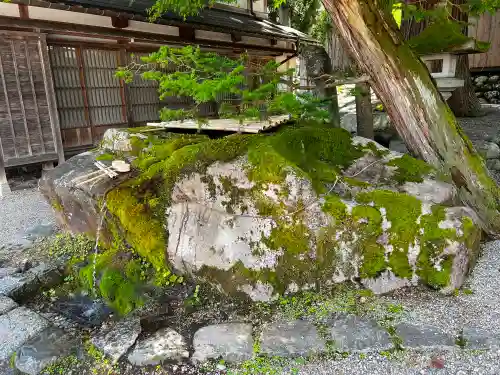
7 271
164 345
6 304
233 342
43 350
117 340
295 338
354 334
17 327
476 338
18 284
423 336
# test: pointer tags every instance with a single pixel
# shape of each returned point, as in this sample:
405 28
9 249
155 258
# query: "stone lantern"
442 67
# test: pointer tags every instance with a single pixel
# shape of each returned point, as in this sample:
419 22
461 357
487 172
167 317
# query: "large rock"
258 216
17 327
43 350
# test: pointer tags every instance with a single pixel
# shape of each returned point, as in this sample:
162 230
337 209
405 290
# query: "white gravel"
20 211
456 362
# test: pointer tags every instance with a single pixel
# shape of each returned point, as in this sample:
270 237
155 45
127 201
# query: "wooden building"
58 93
486 28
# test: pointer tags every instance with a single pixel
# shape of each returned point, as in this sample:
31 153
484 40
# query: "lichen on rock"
263 215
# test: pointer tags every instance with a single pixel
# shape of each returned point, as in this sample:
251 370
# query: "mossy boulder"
262 215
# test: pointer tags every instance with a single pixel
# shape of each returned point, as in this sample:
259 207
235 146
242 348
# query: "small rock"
351 333
491 95
16 327
489 150
116 341
8 271
431 191
48 275
117 140
25 265
43 350
493 79
40 231
493 164
398 145
296 338
481 80
6 304
232 342
165 344
423 336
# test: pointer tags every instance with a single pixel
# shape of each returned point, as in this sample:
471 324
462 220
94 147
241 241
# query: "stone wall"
487 87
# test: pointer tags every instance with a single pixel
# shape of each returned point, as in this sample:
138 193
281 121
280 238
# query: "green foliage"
206 77
322 26
184 8
66 245
409 169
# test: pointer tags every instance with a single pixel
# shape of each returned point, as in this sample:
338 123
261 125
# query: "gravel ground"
20 211
457 362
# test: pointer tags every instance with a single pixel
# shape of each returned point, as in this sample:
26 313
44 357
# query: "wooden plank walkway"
231 125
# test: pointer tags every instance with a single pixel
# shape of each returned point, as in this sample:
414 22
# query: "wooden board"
486 28
29 126
229 125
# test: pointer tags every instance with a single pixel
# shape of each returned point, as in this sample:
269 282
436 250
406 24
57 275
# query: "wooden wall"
486 28
28 120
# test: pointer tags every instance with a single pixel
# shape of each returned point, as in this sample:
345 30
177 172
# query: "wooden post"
364 111
51 97
4 184
124 90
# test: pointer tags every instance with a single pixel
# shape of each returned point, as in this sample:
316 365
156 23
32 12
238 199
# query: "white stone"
233 342
431 191
165 344
116 140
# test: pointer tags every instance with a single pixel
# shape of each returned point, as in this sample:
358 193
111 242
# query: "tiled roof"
214 18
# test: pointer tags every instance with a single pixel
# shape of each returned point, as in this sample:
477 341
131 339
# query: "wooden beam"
35 159
140 37
235 37
187 33
7 105
24 12
51 97
119 22
20 93
33 91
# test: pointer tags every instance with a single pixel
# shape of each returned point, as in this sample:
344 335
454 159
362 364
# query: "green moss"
355 182
105 157
369 220
56 205
409 169
143 231
335 207
439 37
402 211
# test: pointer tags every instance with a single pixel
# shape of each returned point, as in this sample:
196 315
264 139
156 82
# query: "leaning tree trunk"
416 108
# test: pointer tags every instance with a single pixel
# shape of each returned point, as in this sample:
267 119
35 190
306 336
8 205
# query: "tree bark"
364 111
416 108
